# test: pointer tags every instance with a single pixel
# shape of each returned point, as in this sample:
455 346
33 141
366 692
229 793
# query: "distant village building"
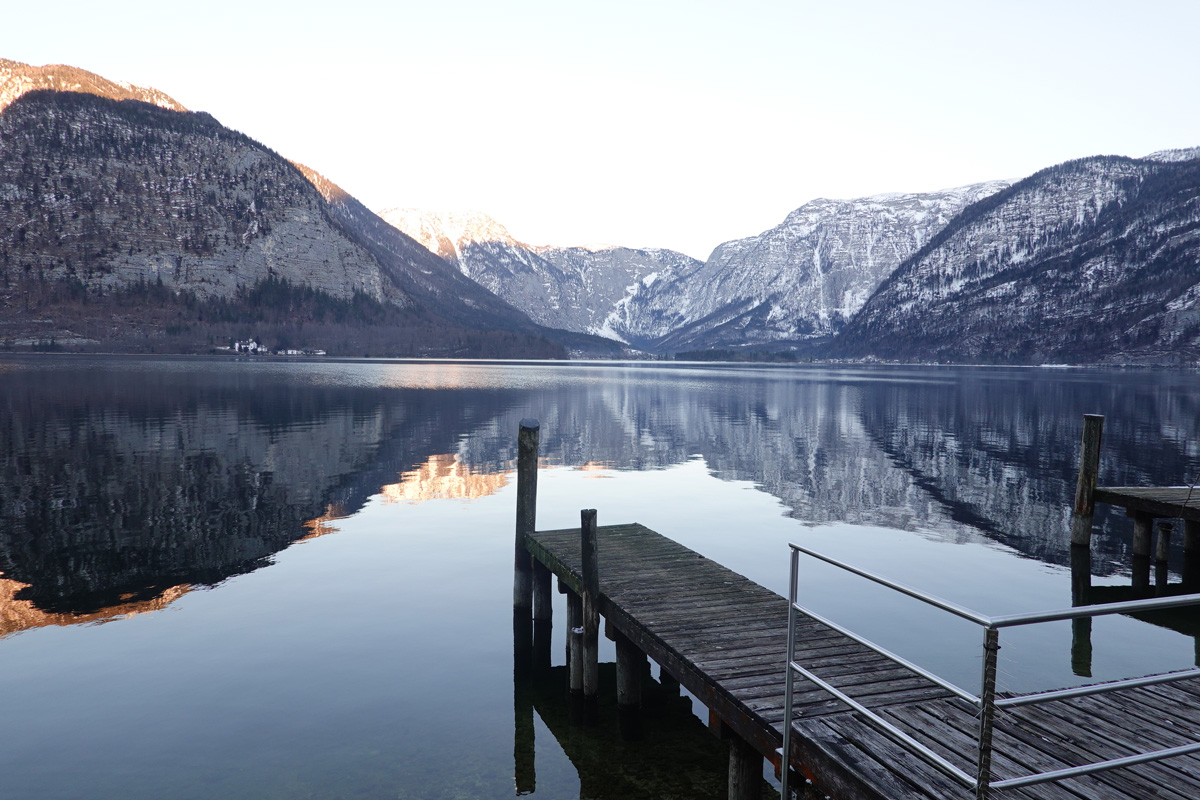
251 347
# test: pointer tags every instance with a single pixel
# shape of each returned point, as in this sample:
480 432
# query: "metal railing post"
785 760
987 712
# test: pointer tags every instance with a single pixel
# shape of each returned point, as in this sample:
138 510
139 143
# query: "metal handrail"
917 594
986 701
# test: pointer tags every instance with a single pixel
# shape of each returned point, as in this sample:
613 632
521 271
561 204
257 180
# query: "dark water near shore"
267 579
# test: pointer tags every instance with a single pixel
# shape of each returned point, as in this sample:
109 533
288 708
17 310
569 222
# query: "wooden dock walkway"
724 638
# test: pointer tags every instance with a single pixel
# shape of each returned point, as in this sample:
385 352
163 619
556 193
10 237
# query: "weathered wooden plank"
874 758
1158 501
772 711
1131 732
1090 741
960 749
849 675
1020 750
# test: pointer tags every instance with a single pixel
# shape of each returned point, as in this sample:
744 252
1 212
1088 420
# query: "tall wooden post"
591 598
1085 485
527 463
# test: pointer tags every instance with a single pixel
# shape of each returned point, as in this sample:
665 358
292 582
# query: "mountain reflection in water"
361 661
124 482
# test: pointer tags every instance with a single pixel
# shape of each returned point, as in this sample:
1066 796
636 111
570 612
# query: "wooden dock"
724 638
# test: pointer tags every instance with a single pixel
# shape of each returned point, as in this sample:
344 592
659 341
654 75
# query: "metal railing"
986 701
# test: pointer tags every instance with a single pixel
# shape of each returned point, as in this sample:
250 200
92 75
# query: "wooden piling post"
543 610
745 770
631 666
1142 526
591 598
575 648
1162 553
543 632
527 464
1085 485
1162 545
1191 553
574 620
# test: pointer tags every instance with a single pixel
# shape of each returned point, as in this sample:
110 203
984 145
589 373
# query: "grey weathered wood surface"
1157 501
724 638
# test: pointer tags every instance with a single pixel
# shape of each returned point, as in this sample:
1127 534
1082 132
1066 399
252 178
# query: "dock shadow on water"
658 752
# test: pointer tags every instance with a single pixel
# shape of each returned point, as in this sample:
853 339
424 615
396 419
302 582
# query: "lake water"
267 579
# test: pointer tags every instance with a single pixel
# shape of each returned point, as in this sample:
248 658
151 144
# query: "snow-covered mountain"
611 277
1175 154
575 288
1092 260
801 280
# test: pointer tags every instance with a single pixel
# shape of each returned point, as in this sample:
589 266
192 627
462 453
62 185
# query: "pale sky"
651 124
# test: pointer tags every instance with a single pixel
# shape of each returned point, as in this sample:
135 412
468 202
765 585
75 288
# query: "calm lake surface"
293 580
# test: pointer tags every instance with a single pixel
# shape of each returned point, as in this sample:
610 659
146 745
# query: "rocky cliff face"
110 194
801 280
610 280
1091 260
574 288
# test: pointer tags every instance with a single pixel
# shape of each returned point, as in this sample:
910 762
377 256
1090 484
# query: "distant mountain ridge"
1175 154
574 288
1096 259
801 280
